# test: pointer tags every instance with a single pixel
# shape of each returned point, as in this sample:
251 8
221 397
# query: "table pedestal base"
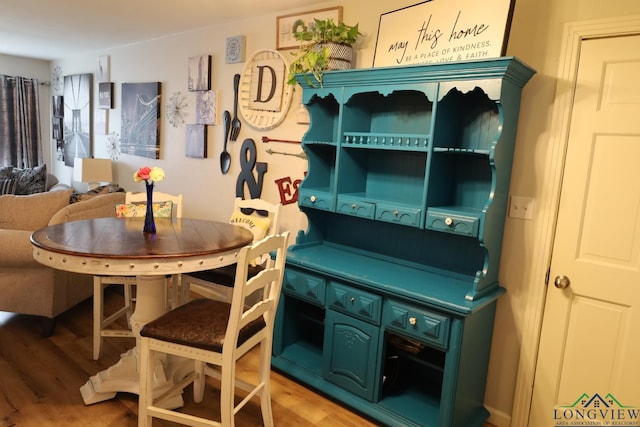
124 376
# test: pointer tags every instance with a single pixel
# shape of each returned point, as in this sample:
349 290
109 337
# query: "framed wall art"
264 78
207 107
437 31
234 51
103 69
140 122
196 141
78 120
284 24
199 73
105 95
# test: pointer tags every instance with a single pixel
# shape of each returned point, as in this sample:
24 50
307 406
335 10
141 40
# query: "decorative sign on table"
439 31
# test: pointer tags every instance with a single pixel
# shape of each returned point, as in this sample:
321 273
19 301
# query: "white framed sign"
437 31
264 96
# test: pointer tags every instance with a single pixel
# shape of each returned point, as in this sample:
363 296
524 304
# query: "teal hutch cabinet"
390 294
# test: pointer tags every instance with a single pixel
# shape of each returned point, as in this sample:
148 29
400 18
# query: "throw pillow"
30 180
258 225
7 186
6 172
138 209
31 212
103 189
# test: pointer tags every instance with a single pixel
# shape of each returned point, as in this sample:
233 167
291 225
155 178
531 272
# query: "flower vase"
149 223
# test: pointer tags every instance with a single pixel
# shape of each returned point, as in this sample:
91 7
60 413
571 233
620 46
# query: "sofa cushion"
7 186
31 212
97 207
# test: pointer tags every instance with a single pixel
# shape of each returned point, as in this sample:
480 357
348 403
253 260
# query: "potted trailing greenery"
324 45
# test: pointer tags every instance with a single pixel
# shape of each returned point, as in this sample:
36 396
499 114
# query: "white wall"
536 35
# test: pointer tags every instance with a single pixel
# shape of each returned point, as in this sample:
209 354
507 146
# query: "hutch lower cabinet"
389 296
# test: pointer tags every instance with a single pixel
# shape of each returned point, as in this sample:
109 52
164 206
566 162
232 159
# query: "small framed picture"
58 105
206 107
234 50
100 122
196 141
102 72
56 128
199 73
105 95
284 24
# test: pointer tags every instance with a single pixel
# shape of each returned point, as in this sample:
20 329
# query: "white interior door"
590 339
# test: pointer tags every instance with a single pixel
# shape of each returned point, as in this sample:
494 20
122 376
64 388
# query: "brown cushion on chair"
201 323
225 276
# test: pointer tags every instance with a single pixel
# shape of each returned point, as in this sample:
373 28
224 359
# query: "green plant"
313 56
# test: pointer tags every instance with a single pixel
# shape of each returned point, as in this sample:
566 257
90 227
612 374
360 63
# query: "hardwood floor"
40 380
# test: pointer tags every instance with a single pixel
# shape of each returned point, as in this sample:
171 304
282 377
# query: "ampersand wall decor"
248 157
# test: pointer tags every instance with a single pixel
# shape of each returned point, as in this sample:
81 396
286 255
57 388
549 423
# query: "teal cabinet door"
351 355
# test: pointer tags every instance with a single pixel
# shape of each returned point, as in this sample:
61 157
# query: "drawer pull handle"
313 199
448 221
353 206
352 300
412 321
396 213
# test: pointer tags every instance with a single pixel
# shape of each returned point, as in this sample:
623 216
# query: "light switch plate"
521 207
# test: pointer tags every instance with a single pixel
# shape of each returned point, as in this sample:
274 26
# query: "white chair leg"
146 385
97 317
128 298
264 376
227 391
199 382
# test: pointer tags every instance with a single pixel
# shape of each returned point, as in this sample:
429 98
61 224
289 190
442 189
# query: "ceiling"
57 29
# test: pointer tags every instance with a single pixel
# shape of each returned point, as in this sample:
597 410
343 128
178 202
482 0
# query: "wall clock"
235 49
113 145
264 95
177 109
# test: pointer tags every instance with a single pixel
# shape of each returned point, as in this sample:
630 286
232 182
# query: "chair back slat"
268 283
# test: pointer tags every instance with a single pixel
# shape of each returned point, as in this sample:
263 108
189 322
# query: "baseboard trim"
498 418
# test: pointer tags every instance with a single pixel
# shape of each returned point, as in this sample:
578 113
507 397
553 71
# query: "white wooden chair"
101 322
215 335
262 219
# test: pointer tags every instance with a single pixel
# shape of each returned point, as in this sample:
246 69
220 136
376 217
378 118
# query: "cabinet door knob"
412 321
313 199
352 300
449 221
353 206
562 282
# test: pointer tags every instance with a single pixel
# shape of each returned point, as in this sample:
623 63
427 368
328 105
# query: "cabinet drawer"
356 207
399 214
355 302
315 199
443 220
420 323
308 287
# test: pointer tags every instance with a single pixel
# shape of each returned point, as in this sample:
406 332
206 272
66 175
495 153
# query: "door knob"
562 282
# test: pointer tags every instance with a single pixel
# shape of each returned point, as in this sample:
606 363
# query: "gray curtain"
20 144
